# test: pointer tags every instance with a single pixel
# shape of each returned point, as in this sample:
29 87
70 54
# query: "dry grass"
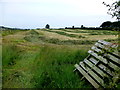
86 35
55 35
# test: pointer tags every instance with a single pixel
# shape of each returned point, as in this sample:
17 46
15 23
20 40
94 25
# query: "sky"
56 13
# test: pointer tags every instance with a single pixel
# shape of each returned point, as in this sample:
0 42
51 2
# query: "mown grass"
48 67
8 32
34 36
92 32
66 34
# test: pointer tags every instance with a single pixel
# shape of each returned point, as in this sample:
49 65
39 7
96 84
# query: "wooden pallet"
102 64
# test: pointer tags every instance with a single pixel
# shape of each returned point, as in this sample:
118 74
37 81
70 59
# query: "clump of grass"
8 32
32 36
32 32
81 36
10 53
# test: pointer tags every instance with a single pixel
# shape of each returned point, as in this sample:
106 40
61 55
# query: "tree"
106 24
114 9
82 26
73 27
47 26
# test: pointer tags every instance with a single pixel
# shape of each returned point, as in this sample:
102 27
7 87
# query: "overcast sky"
57 13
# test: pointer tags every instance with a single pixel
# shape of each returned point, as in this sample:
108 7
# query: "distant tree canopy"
106 24
47 26
82 26
73 27
114 9
109 24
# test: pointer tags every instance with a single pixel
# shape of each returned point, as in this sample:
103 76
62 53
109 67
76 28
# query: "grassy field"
46 58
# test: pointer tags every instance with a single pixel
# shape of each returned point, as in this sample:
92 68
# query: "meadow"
46 58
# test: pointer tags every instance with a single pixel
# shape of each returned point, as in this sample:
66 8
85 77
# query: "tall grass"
9 54
48 67
55 68
8 32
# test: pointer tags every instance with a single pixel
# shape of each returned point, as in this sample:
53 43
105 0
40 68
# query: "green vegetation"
97 32
67 42
32 36
8 32
48 67
35 60
66 34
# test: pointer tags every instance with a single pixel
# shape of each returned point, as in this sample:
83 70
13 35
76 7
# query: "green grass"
66 34
30 64
9 54
66 42
48 67
8 32
93 32
32 36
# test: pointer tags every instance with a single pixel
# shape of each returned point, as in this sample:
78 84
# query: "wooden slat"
87 76
95 68
116 53
100 45
94 75
94 60
115 67
106 69
105 47
113 58
104 42
96 49
99 57
108 43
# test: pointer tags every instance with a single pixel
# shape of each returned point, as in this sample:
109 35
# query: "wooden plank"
99 57
115 67
87 76
96 49
108 43
106 48
106 69
113 58
104 42
100 45
94 60
94 75
95 68
116 53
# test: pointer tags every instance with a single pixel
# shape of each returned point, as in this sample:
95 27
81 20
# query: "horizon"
57 13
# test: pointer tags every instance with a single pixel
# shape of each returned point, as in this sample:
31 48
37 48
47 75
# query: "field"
46 58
